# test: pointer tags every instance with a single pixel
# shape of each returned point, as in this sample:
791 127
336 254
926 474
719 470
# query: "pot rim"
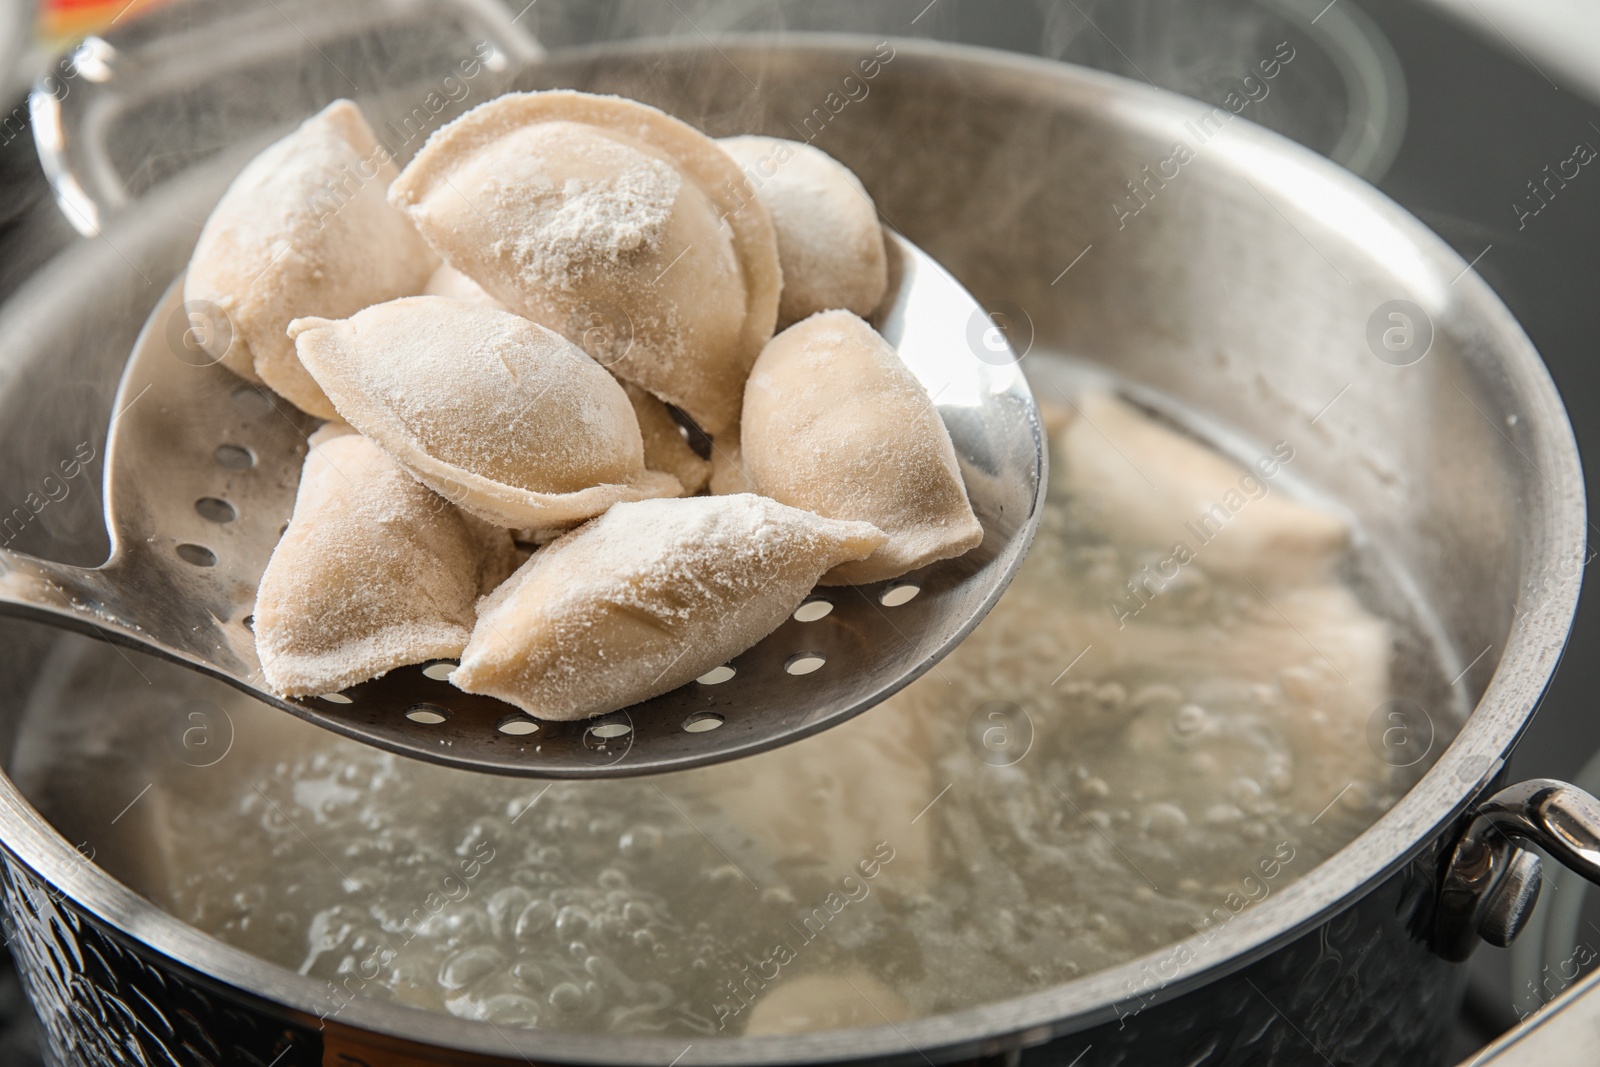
1555 530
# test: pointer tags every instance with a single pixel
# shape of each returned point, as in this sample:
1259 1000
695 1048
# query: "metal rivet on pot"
1511 902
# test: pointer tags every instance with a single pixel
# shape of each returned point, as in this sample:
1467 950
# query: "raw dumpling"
835 423
817 808
626 230
447 281
830 245
374 572
727 465
665 447
647 597
303 230
1148 483
497 414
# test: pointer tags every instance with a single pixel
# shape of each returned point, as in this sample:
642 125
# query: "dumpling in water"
813 1003
819 807
830 245
497 414
646 598
626 230
666 448
835 423
374 572
1147 483
303 230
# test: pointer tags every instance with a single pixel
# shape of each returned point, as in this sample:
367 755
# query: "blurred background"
1461 110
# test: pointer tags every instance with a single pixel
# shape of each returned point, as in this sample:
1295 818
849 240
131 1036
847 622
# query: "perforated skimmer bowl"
201 472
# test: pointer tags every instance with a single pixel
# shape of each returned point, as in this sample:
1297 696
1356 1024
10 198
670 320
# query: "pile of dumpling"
494 335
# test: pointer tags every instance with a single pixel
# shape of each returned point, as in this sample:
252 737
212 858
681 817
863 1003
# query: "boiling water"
1065 792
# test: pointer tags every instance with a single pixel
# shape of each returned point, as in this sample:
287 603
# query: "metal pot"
1244 276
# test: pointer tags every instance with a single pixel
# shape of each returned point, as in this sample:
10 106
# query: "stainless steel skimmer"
201 470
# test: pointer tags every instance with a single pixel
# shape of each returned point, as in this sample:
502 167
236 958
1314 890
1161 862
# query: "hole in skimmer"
805 662
197 555
215 509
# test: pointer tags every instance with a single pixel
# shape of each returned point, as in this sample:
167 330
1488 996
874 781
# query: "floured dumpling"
626 230
835 423
447 281
829 799
727 465
665 447
374 572
648 597
1149 483
305 229
497 414
829 242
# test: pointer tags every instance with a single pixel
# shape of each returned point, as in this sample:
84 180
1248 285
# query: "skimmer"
201 471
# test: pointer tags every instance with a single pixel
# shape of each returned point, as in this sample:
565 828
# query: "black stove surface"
1483 124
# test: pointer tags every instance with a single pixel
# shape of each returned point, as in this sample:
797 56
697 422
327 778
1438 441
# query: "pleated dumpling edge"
614 224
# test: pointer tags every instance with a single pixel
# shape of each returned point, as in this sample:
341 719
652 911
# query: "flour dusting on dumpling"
497 414
647 597
374 572
835 423
829 242
626 230
303 230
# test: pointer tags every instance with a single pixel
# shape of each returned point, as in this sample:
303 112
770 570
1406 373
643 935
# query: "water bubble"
509 1009
505 906
566 997
1245 792
1163 819
1190 720
573 921
529 973
1157 697
1223 814
534 920
467 967
639 841
725 874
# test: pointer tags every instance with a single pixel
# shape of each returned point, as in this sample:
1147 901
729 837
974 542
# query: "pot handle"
1491 882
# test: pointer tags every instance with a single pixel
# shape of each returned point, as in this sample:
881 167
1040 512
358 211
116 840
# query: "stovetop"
1482 124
